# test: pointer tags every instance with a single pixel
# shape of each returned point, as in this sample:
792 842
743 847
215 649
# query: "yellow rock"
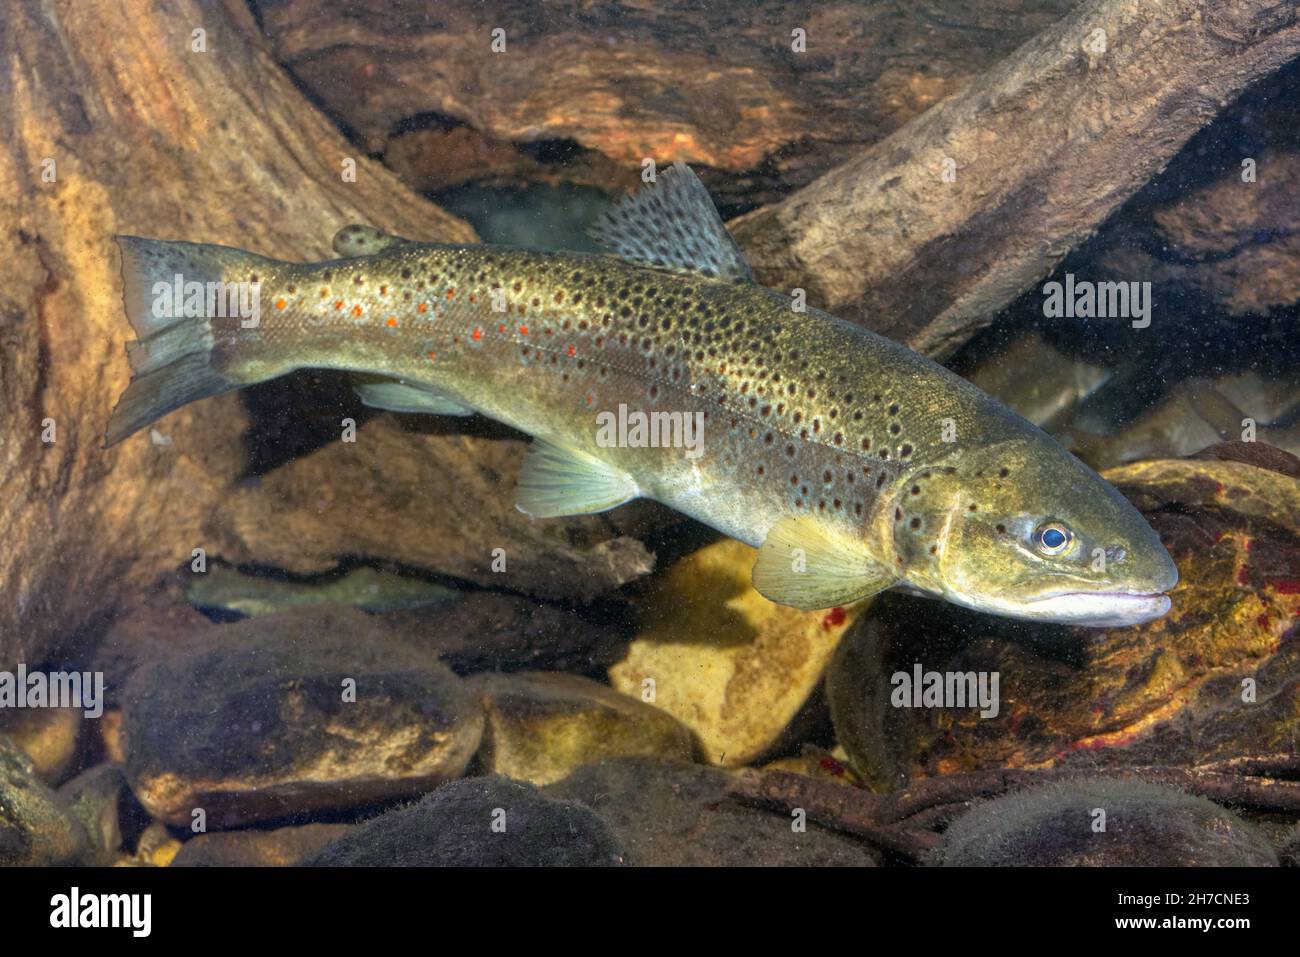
48 736
542 725
732 666
157 847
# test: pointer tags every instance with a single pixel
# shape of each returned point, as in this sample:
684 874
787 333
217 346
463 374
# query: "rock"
491 631
253 725
1057 825
36 827
476 631
1259 454
487 822
668 813
1288 854
732 666
94 798
1216 678
1232 242
540 726
157 847
282 847
49 736
137 637
441 503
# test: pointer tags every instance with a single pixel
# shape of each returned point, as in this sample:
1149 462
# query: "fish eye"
1052 538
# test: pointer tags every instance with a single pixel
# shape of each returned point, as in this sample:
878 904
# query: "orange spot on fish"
572 350
338 303
392 320
280 304
477 334
356 310
501 328
422 307
473 298
432 355
451 293
523 330
590 399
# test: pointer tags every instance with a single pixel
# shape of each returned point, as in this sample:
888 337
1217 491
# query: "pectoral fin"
557 481
396 396
800 564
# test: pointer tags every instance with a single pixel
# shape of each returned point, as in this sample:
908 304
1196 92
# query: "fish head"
1023 529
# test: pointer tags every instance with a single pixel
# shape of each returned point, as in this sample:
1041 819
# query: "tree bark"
717 85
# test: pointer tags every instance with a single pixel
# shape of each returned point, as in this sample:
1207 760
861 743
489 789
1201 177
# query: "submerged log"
716 85
926 235
181 127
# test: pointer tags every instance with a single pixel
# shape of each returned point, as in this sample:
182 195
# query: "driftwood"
147 137
1044 146
718 85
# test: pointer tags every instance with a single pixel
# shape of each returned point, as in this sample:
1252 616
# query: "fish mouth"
1106 609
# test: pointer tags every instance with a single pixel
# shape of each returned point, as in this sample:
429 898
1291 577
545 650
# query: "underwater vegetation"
992 309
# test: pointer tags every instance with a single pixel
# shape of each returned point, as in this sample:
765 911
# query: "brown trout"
664 371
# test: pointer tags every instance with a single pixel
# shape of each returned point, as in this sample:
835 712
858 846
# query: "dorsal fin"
357 240
673 224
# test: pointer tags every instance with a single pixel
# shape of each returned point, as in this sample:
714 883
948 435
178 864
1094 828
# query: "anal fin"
800 564
557 481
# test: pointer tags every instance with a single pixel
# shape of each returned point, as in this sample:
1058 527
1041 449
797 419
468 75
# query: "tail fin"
171 361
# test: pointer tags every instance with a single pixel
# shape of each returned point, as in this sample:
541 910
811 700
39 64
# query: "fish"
661 369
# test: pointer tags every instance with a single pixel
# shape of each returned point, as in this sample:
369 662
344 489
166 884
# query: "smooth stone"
488 821
732 666
282 847
1145 826
252 725
542 725
95 799
669 813
49 736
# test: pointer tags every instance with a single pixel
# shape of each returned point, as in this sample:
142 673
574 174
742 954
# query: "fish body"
853 463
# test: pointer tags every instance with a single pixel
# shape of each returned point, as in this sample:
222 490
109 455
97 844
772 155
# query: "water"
281 626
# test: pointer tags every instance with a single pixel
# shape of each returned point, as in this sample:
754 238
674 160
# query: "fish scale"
852 462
